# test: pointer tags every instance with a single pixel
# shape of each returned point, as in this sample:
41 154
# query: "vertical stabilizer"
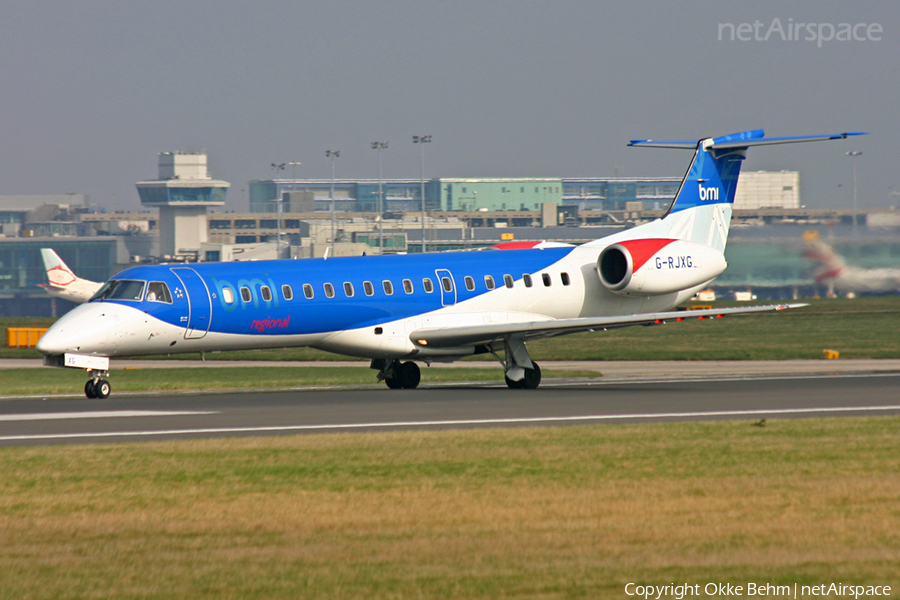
701 211
62 281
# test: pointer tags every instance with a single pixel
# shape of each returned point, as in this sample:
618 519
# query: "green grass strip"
62 381
556 512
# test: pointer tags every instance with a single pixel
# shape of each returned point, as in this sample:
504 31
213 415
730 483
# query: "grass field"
71 381
562 512
865 327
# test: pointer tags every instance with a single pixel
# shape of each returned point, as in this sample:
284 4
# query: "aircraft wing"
441 337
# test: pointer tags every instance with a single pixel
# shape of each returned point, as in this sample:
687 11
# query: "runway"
557 402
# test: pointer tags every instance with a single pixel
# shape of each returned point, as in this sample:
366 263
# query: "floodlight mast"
332 154
278 167
854 154
380 146
421 140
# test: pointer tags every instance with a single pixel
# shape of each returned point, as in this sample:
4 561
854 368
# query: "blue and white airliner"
402 309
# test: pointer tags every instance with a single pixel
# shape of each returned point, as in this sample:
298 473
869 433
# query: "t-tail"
701 211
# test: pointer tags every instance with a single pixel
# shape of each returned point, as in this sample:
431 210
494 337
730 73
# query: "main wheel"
89 389
393 383
532 378
513 385
409 375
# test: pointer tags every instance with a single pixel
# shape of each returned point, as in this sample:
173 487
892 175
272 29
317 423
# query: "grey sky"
93 90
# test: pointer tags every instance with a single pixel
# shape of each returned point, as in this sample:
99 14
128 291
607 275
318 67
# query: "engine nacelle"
657 266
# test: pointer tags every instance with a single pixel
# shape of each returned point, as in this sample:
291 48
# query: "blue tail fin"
713 175
709 185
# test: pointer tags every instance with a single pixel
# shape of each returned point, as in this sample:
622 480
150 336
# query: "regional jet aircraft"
402 309
63 283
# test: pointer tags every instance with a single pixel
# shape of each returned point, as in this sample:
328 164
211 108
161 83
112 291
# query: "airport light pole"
293 164
854 155
332 154
278 167
422 140
380 146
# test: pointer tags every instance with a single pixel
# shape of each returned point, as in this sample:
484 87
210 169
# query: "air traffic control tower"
183 192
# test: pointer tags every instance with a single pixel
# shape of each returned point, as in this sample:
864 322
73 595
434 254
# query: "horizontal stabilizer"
742 140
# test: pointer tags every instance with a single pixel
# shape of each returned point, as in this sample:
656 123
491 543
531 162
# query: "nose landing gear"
97 367
96 387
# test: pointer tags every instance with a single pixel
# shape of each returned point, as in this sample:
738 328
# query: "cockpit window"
121 289
157 291
103 291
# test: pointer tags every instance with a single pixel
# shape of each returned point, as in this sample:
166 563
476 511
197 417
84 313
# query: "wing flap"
445 337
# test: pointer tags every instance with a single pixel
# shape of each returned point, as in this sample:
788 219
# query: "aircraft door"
199 302
447 285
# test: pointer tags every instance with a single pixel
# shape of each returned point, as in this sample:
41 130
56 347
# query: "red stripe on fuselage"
642 250
516 245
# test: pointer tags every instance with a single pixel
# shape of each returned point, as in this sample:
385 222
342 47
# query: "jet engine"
652 267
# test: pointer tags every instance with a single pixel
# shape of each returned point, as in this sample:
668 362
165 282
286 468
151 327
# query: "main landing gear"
520 372
529 381
96 386
397 375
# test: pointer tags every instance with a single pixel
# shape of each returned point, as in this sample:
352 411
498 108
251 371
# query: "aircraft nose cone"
50 343
69 333
86 329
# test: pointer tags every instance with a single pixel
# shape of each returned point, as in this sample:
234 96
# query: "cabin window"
407 286
246 296
508 280
368 287
448 285
470 284
388 287
158 291
546 279
287 292
428 284
348 289
489 282
329 290
527 279
266 293
308 291
227 295
565 278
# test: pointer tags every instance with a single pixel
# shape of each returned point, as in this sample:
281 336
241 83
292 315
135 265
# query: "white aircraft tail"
58 273
62 281
828 264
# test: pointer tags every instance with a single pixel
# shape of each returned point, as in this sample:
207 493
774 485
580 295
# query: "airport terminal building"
443 194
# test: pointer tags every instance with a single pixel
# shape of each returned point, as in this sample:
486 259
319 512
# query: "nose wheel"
97 388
